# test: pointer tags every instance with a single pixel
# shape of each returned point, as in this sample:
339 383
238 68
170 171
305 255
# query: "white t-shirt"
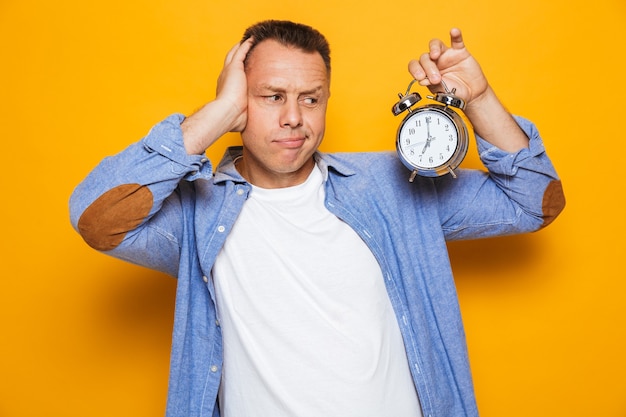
307 323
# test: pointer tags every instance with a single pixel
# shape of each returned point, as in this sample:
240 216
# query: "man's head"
287 72
290 34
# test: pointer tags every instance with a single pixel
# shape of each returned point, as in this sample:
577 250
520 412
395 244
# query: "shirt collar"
226 170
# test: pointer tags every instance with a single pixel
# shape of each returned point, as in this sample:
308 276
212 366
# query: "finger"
436 47
456 39
416 70
231 53
238 51
244 48
418 73
429 66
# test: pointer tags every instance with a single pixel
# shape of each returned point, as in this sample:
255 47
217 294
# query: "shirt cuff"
501 162
166 139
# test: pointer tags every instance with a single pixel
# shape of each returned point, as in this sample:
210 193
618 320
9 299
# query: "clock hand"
427 144
414 145
428 137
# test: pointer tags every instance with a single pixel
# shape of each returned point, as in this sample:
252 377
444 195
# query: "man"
312 284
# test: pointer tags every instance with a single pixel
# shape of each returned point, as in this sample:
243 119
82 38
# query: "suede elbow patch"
553 202
105 223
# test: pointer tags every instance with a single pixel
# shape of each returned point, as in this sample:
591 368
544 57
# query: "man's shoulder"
381 171
350 163
361 156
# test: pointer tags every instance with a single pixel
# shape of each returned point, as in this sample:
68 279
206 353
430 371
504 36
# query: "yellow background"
85 335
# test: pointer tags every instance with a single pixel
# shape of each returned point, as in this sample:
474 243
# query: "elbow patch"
553 202
104 224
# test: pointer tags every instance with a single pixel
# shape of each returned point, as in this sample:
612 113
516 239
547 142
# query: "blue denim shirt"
187 211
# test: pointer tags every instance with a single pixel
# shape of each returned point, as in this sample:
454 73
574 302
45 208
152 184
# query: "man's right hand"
228 112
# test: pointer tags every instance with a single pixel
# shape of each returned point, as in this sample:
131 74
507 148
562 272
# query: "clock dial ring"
432 140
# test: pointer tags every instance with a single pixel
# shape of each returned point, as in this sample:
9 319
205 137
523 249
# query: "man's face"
288 92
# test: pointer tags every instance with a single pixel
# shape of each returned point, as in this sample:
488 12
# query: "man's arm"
521 192
127 206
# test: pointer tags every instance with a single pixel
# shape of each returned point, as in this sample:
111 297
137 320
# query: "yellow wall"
86 335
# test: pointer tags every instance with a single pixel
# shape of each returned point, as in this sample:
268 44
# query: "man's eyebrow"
269 87
315 90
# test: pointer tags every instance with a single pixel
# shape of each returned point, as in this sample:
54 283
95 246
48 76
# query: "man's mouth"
291 142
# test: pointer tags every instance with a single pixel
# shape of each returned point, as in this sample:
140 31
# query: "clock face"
427 138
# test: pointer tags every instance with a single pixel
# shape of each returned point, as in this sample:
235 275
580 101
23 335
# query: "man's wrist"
493 122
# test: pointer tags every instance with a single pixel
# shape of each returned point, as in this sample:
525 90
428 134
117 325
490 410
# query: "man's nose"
291 114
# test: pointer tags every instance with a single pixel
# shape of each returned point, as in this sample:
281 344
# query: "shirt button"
240 192
217 322
205 279
221 229
214 368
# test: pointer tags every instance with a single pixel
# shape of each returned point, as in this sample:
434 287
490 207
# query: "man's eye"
310 100
274 97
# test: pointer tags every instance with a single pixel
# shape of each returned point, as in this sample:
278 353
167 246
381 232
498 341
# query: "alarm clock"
433 138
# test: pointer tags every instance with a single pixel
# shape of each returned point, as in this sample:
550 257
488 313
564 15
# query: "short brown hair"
290 34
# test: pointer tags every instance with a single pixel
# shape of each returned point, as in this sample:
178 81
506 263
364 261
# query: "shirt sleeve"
520 192
130 207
